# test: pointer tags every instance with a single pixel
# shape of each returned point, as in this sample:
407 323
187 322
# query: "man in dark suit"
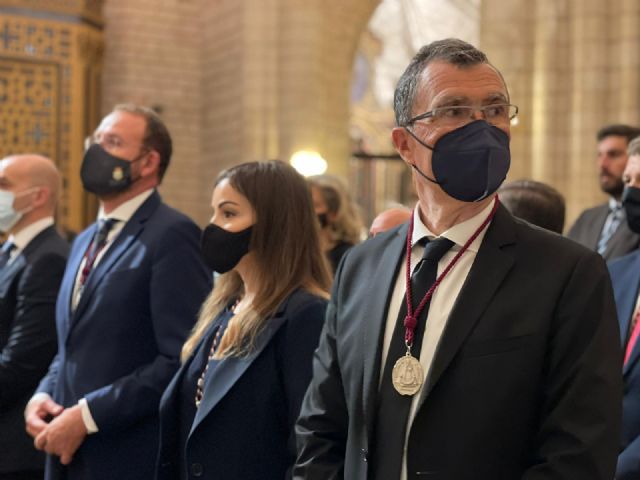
32 262
603 228
510 370
625 276
133 285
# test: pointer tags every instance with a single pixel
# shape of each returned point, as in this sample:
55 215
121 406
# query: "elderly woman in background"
340 221
229 411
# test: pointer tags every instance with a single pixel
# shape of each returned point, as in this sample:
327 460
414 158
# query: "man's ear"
401 142
41 196
151 165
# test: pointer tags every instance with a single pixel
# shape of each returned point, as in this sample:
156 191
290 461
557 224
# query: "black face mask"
103 173
631 204
470 162
322 218
222 249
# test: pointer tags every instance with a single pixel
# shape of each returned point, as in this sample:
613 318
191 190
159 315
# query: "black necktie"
5 253
393 408
96 246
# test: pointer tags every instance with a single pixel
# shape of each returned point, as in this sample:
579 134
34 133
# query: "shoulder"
167 226
622 264
48 243
302 303
591 214
550 255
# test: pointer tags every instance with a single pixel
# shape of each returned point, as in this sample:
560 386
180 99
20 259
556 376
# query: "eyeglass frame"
430 113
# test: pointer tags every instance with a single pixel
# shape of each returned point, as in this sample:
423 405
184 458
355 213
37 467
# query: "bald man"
387 219
32 262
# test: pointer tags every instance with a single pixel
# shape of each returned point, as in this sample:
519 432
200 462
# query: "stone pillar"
572 67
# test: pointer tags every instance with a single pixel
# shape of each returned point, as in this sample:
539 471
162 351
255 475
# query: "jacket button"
364 455
197 469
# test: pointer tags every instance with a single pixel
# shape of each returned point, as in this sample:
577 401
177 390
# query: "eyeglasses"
455 115
108 142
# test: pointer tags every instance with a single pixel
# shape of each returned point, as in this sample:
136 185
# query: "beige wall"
236 80
572 67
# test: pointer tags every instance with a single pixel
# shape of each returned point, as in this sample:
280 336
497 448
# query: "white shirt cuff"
87 418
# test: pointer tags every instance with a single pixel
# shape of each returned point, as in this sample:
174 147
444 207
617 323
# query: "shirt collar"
125 211
614 204
22 238
459 233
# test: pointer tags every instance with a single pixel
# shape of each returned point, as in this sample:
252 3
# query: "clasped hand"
56 430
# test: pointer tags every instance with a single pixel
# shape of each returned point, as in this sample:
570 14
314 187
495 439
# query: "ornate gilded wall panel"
49 71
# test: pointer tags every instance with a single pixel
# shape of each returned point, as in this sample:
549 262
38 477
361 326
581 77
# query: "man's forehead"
442 81
121 122
613 141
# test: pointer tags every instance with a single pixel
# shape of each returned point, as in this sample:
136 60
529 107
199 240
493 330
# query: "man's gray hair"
450 50
634 147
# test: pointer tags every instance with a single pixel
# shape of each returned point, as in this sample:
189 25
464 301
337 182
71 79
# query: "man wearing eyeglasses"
129 297
604 228
465 344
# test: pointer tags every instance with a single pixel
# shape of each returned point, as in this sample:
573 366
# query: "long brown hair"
286 249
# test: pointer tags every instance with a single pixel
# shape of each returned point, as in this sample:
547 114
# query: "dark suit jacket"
28 289
244 427
625 276
587 228
525 383
121 346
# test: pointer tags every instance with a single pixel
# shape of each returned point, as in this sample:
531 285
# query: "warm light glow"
308 163
514 121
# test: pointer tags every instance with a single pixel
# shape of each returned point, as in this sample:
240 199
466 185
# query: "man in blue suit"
131 290
625 276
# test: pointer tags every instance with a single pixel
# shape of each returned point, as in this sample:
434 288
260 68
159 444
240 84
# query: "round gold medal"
407 375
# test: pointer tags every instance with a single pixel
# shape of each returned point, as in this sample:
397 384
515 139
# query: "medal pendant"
407 375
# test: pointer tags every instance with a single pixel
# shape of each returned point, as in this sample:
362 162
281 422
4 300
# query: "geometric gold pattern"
50 64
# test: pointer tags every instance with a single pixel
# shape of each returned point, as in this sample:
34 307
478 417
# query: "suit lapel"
120 244
376 311
489 269
229 370
8 273
599 220
65 297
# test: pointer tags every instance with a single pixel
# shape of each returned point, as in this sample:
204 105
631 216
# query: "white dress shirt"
443 298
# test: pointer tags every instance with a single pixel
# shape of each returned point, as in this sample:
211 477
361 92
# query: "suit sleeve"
179 284
32 339
301 335
582 404
322 427
629 461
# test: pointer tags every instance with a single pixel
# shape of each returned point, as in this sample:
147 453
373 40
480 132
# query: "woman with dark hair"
229 411
341 226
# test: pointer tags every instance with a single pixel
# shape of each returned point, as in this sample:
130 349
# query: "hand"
631 175
64 435
39 411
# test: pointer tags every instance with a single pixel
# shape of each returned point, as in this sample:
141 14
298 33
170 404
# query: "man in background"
133 285
389 218
32 262
625 277
535 202
603 228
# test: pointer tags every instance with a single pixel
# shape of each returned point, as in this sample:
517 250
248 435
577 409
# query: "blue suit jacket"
121 345
625 276
244 427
